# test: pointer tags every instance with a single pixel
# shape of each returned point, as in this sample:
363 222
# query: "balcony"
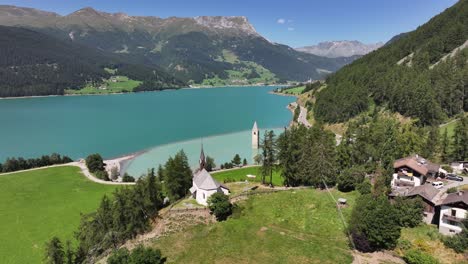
452 218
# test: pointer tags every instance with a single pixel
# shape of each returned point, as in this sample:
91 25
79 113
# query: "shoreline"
127 162
120 93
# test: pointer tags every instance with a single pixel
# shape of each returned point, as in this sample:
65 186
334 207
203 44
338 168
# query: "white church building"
204 185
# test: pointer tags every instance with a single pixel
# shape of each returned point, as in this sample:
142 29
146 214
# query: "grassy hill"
285 227
405 76
37 205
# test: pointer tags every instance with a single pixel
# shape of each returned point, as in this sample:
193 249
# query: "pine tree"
54 252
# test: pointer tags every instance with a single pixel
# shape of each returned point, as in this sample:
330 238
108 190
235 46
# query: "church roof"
205 181
255 126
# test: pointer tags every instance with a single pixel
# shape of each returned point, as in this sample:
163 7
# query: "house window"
454 212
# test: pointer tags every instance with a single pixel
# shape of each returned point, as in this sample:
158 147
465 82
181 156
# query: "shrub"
103 175
404 244
120 256
364 187
410 211
139 255
459 242
94 162
127 178
447 168
452 190
220 206
415 256
376 220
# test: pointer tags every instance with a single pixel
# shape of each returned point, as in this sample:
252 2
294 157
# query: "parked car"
438 185
454 177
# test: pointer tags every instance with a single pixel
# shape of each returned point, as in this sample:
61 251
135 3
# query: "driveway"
449 183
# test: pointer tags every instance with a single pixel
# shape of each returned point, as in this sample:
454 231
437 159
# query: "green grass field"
116 84
238 175
284 227
450 129
37 205
294 91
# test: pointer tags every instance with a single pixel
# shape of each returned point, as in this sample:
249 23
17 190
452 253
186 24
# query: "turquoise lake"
115 125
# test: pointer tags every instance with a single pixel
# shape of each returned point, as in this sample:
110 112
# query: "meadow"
116 84
294 91
37 205
238 175
298 226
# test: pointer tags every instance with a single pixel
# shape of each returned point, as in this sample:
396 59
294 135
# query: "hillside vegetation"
399 75
33 63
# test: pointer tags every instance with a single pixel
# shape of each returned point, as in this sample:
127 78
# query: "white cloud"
291 29
281 21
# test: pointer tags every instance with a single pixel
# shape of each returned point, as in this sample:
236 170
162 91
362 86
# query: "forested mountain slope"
191 49
400 77
33 63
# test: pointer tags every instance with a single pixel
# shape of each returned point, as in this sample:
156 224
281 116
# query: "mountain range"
201 50
335 49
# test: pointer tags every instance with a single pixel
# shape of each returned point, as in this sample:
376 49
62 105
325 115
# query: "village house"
460 166
453 210
204 185
429 196
413 171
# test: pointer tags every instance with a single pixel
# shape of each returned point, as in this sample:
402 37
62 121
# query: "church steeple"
202 161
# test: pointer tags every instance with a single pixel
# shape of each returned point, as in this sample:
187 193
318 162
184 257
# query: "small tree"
120 256
410 211
374 223
54 252
103 175
210 164
350 178
258 159
114 173
94 162
69 253
146 256
220 206
236 160
364 187
244 162
127 178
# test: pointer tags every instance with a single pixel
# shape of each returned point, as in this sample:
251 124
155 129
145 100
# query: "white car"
438 185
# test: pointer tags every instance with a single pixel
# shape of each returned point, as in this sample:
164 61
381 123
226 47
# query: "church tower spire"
202 161
255 136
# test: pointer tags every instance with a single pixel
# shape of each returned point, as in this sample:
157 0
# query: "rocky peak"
340 48
87 11
240 23
15 11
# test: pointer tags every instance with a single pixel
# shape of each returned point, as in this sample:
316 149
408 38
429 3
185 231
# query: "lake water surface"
116 125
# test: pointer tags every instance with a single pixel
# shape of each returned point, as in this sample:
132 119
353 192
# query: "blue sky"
292 22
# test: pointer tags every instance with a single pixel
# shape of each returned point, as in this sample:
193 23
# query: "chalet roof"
427 191
205 181
455 198
418 164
